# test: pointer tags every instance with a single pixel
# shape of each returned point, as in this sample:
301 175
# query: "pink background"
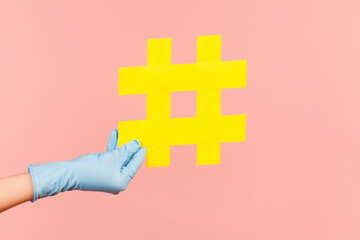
296 176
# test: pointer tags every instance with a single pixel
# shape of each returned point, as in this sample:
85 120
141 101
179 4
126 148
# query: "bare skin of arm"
118 167
15 190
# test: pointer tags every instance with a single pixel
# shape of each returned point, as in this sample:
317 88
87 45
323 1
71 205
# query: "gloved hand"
109 171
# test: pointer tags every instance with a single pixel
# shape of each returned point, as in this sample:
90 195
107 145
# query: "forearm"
109 171
15 190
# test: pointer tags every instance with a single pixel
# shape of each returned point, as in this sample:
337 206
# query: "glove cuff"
51 178
34 182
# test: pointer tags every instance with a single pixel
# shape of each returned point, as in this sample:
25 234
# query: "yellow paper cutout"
159 78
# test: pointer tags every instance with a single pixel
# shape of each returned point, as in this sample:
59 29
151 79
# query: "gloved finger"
129 149
136 161
113 140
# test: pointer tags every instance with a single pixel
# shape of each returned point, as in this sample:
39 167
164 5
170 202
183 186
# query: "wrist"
51 178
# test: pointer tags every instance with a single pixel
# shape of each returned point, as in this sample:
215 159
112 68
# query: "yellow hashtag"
159 78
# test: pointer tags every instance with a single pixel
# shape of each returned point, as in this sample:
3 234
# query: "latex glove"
109 171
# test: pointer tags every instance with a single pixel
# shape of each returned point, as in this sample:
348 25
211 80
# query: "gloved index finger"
136 161
113 140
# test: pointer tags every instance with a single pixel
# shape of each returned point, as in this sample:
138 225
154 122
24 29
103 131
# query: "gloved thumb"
136 161
113 140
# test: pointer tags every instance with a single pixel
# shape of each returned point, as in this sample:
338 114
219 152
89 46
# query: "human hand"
109 171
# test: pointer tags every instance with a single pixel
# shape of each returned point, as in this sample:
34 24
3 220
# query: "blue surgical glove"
109 171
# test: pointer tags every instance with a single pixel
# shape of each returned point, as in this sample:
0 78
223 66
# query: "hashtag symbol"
159 78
